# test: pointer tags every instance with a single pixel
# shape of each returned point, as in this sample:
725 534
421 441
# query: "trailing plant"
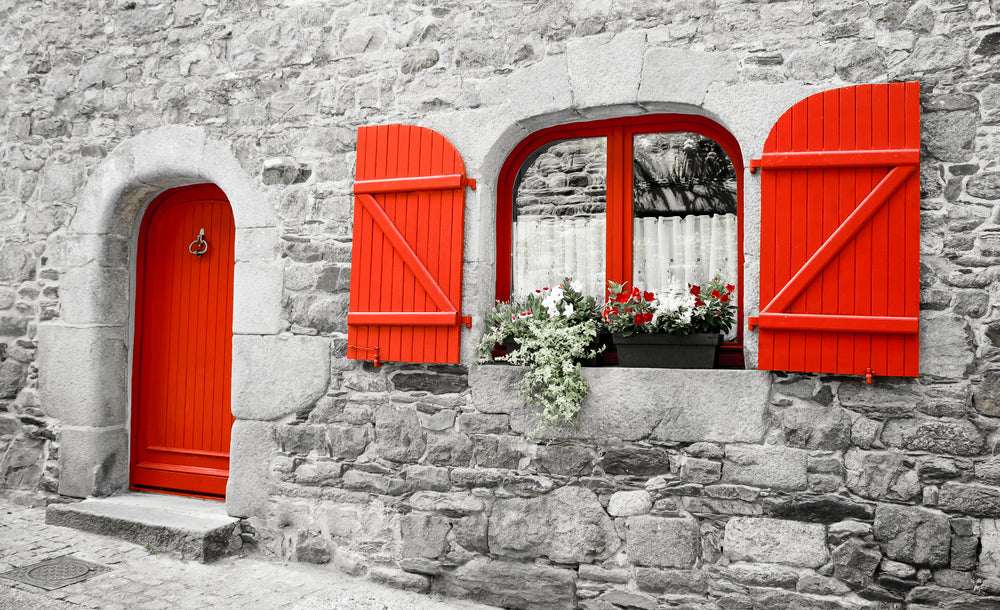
675 311
554 329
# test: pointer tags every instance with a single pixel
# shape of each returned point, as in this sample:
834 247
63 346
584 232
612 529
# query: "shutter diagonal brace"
834 244
420 272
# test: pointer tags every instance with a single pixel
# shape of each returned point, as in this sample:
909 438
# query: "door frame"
84 355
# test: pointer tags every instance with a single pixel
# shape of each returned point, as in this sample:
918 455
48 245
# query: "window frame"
619 133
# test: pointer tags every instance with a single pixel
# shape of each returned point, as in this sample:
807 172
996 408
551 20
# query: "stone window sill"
631 404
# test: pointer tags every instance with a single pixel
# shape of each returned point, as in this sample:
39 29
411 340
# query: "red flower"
698 302
730 287
642 318
695 290
715 294
724 298
635 292
649 296
615 311
621 297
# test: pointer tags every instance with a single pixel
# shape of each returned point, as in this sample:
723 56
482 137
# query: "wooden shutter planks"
406 266
840 234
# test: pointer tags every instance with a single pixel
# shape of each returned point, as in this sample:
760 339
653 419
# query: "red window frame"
619 133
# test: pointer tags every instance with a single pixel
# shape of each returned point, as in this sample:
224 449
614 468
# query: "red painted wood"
840 240
406 266
824 322
911 230
618 241
181 416
838 158
845 180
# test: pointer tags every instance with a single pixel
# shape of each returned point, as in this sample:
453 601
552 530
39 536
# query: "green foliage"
555 329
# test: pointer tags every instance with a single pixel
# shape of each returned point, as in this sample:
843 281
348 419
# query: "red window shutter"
840 234
406 261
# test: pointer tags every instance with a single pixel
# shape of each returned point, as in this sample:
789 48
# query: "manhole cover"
55 573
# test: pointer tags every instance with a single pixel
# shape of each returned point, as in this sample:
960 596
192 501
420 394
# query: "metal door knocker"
199 246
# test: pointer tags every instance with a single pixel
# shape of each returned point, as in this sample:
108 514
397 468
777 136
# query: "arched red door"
181 373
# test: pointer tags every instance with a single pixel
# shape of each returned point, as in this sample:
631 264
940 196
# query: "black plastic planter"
696 351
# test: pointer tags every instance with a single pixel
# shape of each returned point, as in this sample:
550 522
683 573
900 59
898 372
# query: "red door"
181 416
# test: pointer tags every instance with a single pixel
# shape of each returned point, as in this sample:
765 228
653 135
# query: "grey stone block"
683 75
971 499
95 295
881 475
449 448
776 541
82 374
913 534
398 434
989 554
674 406
662 542
257 290
629 503
765 466
511 585
93 461
949 436
424 535
265 391
947 348
257 244
251 449
568 525
605 69
190 527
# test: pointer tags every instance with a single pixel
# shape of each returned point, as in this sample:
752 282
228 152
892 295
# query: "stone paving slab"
140 579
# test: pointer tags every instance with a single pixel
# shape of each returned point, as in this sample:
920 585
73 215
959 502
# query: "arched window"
652 200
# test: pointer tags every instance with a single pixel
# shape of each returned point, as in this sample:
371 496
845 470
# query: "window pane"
684 211
559 217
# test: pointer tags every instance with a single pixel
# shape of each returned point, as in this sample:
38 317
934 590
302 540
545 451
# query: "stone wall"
716 490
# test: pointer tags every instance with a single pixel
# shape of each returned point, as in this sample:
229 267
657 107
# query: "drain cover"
55 573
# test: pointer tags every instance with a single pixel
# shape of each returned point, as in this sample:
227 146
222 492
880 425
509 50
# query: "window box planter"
697 351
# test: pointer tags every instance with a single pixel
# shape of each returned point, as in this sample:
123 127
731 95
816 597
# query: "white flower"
551 302
569 310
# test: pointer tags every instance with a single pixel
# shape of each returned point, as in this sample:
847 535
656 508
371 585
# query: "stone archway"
83 357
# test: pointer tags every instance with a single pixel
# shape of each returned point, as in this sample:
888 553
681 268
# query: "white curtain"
681 250
546 250
684 250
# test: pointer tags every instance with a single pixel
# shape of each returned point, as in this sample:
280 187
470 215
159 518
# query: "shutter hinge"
753 322
470 182
375 361
754 165
868 375
467 320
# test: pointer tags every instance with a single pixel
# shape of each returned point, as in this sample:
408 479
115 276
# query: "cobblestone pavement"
139 579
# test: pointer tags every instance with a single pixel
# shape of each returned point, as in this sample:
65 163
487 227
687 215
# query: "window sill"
678 405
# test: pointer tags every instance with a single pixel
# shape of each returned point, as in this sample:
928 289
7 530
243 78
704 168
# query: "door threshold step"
191 527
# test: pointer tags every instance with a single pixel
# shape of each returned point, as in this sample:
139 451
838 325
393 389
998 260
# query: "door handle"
199 246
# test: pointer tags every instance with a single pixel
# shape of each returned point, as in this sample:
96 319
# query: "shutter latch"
868 375
470 182
375 361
